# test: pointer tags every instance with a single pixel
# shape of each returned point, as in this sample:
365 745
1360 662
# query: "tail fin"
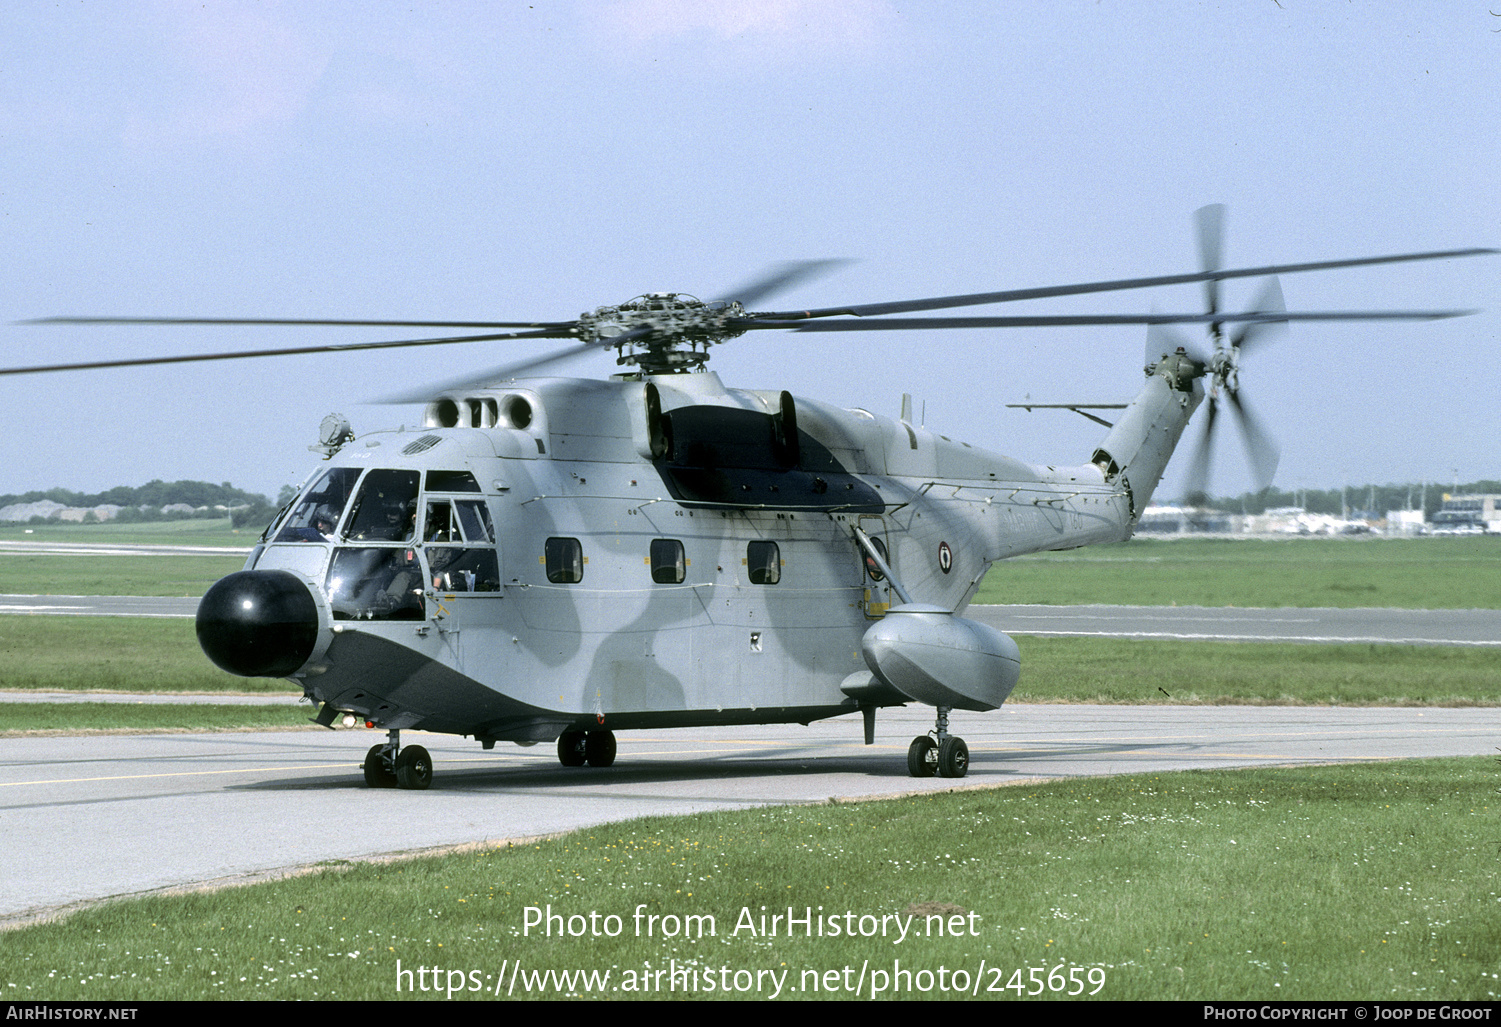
1140 444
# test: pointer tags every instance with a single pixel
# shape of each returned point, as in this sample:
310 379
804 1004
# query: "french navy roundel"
945 557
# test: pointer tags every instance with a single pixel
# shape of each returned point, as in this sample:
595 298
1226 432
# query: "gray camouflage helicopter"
552 558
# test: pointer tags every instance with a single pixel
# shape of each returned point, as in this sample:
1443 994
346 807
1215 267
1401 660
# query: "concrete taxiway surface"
93 817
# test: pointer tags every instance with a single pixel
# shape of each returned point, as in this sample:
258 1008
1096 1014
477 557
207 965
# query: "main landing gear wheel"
599 748
922 757
414 768
377 773
953 758
573 748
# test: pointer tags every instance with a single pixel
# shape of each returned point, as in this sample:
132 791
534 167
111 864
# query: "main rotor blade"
1007 296
781 277
1261 451
902 324
423 393
1269 300
290 351
289 321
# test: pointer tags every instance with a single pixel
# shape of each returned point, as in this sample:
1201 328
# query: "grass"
1318 883
1106 670
31 718
1427 573
107 575
189 532
117 654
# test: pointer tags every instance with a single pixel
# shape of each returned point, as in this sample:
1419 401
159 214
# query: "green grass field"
106 575
30 718
1424 573
1317 883
116 654
192 532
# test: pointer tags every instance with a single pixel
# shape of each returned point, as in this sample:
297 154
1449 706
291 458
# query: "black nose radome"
258 623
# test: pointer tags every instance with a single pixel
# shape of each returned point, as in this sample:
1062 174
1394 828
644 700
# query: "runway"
103 816
1173 623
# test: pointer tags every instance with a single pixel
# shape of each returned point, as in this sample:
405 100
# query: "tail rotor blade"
1197 491
1268 301
1261 451
1210 221
1163 340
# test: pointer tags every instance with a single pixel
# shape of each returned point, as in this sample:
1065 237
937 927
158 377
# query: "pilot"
401 598
401 520
320 528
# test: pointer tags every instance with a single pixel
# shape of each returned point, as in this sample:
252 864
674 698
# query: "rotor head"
662 332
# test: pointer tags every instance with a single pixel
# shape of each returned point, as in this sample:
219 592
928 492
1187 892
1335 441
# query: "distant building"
1463 515
1405 522
1181 520
1295 520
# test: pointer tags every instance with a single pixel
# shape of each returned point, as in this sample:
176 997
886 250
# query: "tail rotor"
1222 365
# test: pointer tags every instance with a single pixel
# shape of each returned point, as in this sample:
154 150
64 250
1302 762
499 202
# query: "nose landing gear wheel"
599 748
572 748
377 773
953 758
414 768
922 757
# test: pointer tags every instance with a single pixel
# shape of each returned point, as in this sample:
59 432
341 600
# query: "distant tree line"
145 502
154 493
1373 499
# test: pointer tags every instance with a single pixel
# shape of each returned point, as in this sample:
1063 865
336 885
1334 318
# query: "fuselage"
645 552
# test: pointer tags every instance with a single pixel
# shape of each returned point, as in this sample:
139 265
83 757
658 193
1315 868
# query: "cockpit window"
317 511
376 583
386 509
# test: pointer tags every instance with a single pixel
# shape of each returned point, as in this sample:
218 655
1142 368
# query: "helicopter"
554 559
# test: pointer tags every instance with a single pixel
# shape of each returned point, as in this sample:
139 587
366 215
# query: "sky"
520 161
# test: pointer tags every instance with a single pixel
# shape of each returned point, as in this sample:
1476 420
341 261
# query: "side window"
438 525
763 561
453 569
668 565
475 516
565 561
871 568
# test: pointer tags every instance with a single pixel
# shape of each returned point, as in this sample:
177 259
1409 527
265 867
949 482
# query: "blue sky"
531 161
